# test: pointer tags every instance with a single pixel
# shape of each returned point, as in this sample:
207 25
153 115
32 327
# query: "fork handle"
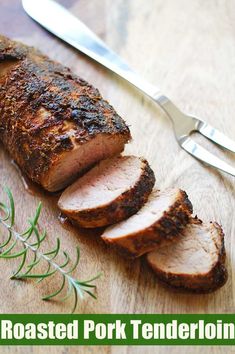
83 39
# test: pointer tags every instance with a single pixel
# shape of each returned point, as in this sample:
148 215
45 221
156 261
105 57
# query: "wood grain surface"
188 49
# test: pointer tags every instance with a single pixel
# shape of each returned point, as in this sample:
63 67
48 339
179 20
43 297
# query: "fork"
77 34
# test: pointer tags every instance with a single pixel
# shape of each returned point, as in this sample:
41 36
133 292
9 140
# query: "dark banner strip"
112 329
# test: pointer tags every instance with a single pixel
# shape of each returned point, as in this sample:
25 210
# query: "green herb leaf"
28 271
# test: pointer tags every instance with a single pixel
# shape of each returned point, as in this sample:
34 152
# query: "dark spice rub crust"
171 217
198 281
46 112
132 196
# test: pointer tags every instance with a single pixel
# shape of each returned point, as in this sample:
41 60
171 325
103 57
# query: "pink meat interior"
150 213
103 184
194 252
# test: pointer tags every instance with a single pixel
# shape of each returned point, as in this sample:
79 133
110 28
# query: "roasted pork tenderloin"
196 262
157 222
53 123
111 191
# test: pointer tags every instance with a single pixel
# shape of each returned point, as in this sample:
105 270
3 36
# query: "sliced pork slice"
160 219
112 191
54 124
196 261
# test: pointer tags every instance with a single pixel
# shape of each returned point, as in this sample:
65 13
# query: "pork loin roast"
53 123
111 191
160 219
196 261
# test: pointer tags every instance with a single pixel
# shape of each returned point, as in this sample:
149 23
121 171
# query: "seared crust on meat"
125 205
164 230
199 282
45 110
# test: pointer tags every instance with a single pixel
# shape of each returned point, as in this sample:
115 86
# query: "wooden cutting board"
188 49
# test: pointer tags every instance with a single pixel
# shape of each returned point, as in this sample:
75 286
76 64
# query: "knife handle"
82 38
88 43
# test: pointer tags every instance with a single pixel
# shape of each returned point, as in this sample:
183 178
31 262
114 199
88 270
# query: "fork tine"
216 136
202 154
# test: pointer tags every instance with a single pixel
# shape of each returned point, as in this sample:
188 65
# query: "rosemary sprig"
26 271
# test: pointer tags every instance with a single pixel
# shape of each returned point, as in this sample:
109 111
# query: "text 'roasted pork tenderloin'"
111 191
53 123
158 221
195 262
